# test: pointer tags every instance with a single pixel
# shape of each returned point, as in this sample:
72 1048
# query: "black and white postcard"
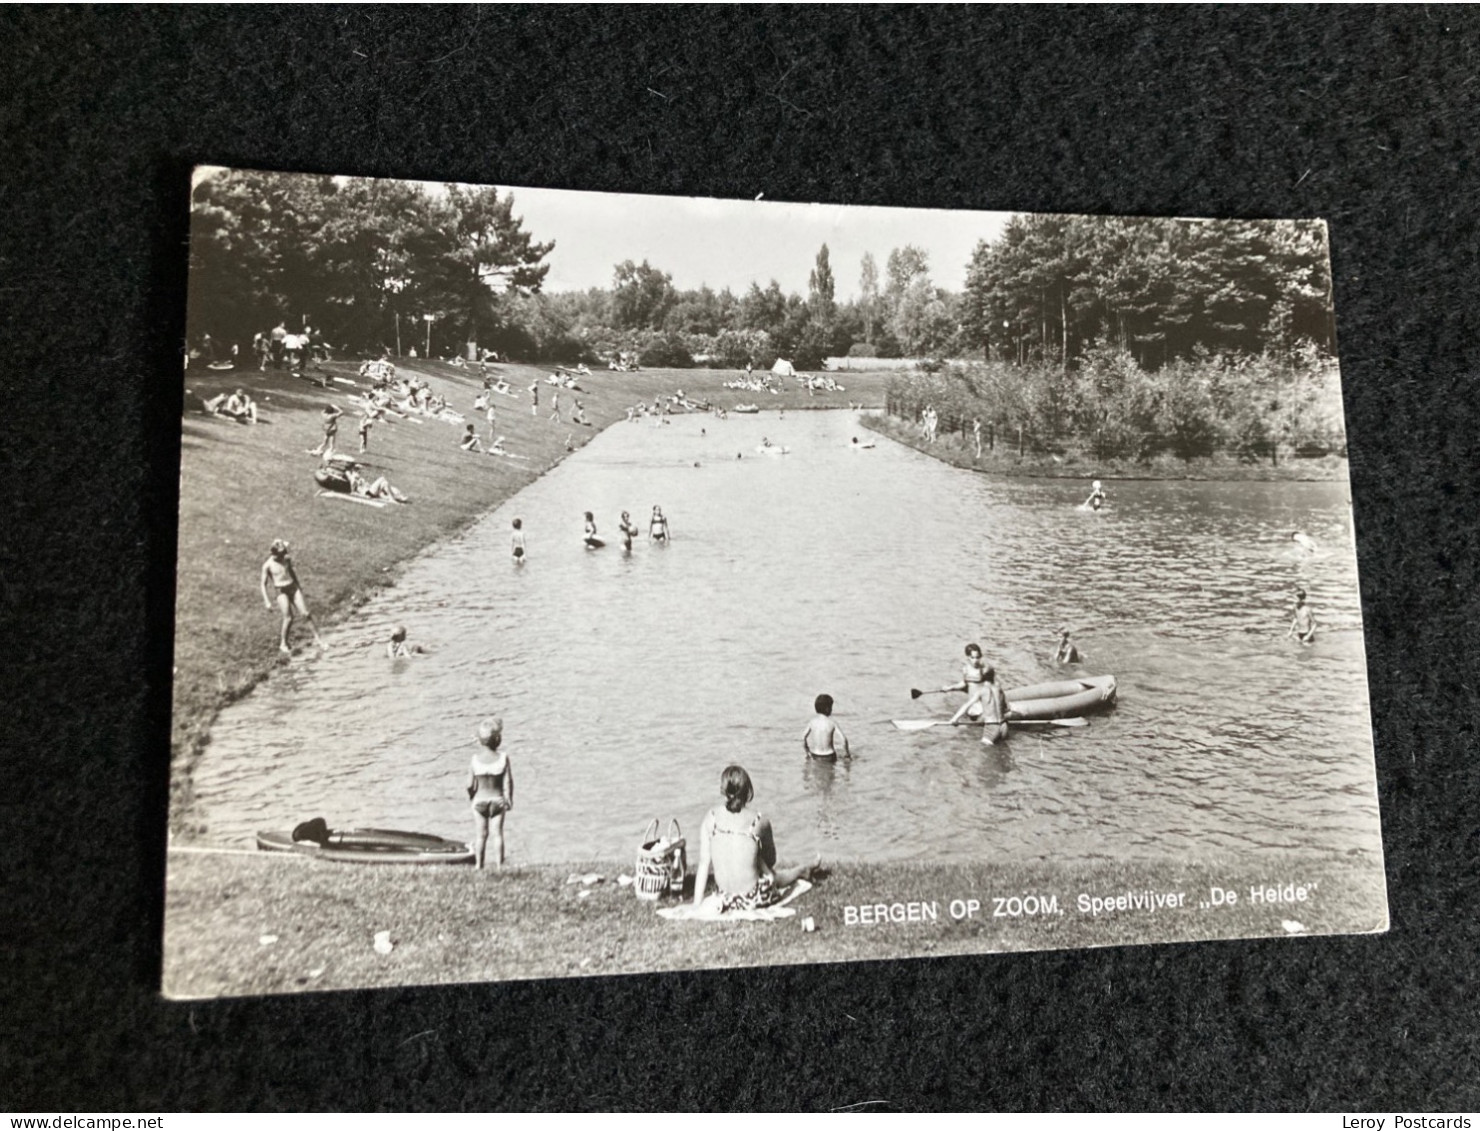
585 584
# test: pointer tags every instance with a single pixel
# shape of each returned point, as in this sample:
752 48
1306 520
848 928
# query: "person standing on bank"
490 790
278 571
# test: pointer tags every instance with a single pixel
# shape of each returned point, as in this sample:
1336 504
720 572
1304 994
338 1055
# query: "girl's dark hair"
735 785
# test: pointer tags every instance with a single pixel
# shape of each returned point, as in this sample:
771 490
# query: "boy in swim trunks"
991 700
278 569
1303 627
822 736
518 541
490 790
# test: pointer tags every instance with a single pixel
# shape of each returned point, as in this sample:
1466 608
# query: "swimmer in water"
822 736
397 647
518 541
1067 653
1303 626
1096 498
591 540
1304 541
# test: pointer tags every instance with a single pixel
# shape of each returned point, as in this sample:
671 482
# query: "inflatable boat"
1062 698
371 846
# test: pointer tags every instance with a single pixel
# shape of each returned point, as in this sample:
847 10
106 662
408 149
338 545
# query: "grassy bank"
243 485
268 923
958 450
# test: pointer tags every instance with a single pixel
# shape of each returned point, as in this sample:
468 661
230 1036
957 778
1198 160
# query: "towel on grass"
709 912
351 498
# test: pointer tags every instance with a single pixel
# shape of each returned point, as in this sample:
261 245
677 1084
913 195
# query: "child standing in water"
629 531
490 790
1303 627
992 702
518 541
973 672
658 526
822 736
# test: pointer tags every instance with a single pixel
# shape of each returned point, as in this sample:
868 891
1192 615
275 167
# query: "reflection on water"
628 681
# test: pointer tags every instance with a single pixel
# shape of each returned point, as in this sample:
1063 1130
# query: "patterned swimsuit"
764 893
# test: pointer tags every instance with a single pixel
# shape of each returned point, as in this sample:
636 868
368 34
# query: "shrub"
667 351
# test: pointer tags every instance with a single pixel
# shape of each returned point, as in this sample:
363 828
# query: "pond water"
627 682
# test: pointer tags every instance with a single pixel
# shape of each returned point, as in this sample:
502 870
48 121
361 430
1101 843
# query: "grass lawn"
243 485
270 923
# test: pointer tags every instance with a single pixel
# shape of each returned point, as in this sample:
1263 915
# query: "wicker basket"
661 861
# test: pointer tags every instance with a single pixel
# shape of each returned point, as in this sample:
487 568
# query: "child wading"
822 736
1303 627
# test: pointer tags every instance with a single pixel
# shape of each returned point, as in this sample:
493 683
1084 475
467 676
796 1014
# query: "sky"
733 243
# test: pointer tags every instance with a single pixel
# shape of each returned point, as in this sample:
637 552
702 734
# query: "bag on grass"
662 862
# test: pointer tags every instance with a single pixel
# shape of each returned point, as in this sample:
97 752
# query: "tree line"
1053 288
1107 406
379 264
364 261
390 264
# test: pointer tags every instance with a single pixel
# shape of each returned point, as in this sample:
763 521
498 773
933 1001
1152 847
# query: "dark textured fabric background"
1367 117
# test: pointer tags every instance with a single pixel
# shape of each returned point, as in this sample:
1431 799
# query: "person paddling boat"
992 703
973 672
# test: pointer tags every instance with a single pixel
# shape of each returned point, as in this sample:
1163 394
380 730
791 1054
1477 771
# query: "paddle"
926 724
915 692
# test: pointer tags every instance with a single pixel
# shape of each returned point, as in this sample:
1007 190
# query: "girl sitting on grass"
737 842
